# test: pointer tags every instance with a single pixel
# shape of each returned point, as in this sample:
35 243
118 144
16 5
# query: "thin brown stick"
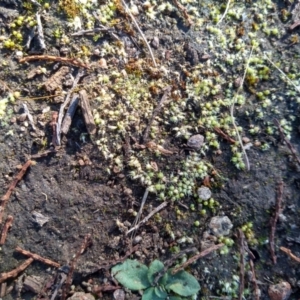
87 241
14 273
292 149
12 186
242 265
65 60
224 135
6 227
53 124
274 220
254 281
153 212
197 256
290 254
38 257
43 154
294 25
168 263
157 109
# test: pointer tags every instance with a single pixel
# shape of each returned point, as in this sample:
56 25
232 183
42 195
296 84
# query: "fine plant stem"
153 212
282 73
225 12
232 110
140 31
141 209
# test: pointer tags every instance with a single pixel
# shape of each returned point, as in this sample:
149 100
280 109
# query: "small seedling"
136 276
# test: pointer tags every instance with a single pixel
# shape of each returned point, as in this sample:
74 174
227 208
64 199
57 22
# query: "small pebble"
220 226
204 193
97 52
103 63
245 140
137 240
82 296
19 54
280 291
155 42
196 141
119 295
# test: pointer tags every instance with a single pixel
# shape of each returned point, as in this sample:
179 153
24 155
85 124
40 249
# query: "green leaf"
175 298
155 267
160 292
131 274
163 280
150 294
183 284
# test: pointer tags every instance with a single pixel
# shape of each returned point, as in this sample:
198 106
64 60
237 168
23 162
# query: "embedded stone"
220 226
280 291
196 141
204 193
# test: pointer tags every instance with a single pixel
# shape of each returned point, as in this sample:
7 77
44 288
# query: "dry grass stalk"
140 31
232 111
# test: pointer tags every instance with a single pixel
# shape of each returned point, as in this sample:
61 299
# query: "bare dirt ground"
143 112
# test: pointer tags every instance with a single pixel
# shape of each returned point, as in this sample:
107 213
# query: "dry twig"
225 12
140 31
70 114
53 124
197 256
40 33
184 12
64 60
141 208
86 243
153 146
256 290
290 254
297 88
157 109
274 220
292 149
153 212
29 116
168 263
66 102
11 187
87 113
224 135
242 265
38 257
14 273
43 154
232 110
6 227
